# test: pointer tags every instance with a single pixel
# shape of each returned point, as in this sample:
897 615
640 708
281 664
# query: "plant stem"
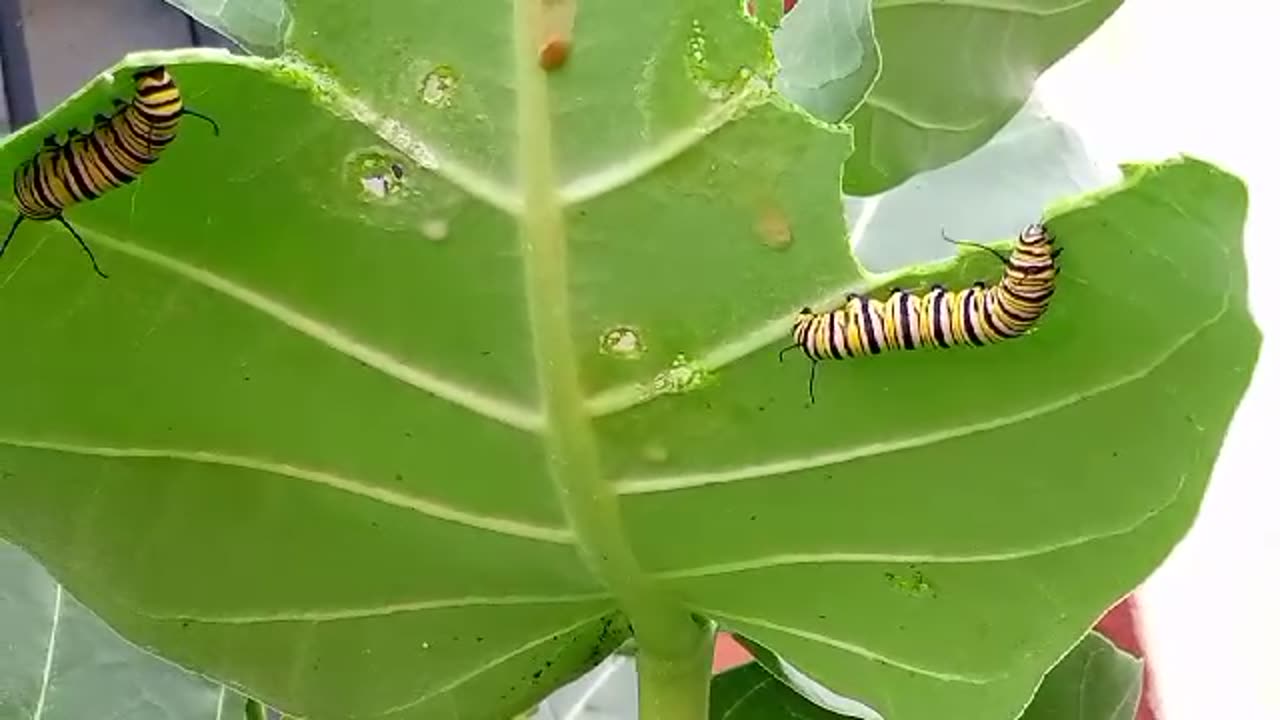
673 644
676 688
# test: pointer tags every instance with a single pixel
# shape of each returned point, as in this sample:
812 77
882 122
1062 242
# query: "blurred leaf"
749 692
60 662
1027 165
801 685
1095 681
406 383
258 26
827 56
953 73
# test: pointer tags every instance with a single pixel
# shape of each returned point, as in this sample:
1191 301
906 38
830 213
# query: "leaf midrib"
663 628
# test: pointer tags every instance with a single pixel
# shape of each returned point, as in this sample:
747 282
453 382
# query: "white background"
1169 76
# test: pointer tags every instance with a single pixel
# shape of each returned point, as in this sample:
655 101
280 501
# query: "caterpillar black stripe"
115 152
976 315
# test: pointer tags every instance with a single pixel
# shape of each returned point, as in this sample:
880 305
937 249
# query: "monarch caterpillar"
112 154
976 315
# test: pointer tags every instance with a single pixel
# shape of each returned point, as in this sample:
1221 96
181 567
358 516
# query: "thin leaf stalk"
677 688
671 642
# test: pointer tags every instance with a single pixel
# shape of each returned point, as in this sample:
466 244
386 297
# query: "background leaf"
951 75
1034 160
1095 681
827 56
801 685
258 26
750 692
60 662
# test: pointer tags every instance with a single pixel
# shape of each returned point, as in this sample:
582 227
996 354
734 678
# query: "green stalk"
673 648
677 688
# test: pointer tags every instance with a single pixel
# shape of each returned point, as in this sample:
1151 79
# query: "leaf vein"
627 170
46 677
858 650
466 677
469 398
790 559
338 614
887 106
1003 6
423 506
728 714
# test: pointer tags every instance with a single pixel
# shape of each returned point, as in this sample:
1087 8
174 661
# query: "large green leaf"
927 537
60 662
1095 681
383 411
953 73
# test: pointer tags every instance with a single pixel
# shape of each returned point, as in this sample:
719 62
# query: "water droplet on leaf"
653 452
439 86
378 174
436 229
683 376
623 342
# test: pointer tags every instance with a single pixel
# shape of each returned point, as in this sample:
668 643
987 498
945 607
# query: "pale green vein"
553 636
399 136
330 336
745 696
852 649
827 558
46 677
633 167
361 613
623 397
636 486
429 508
1005 6
888 106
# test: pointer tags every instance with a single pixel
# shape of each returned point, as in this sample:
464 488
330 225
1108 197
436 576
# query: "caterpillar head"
155 71
801 323
151 77
1036 234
